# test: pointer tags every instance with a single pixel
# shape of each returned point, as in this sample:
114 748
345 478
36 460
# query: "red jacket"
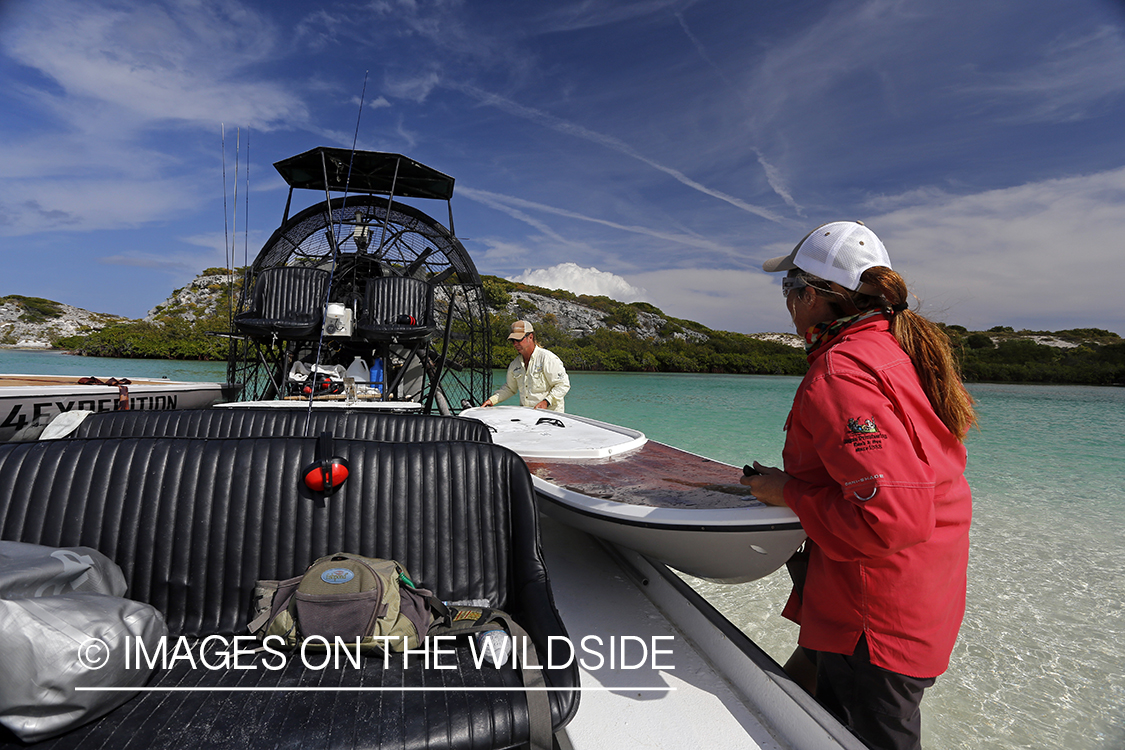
879 486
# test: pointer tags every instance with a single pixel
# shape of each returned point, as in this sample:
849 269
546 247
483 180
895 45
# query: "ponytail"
928 348
926 345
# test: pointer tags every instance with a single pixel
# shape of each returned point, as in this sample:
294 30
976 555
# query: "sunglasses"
792 283
516 341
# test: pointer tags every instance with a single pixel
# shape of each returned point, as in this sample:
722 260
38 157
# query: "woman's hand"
769 485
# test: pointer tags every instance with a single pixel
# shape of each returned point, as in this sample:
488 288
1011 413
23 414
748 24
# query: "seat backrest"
194 522
388 297
357 424
292 294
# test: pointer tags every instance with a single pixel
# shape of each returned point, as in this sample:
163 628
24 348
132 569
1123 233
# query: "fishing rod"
234 226
246 220
333 239
226 231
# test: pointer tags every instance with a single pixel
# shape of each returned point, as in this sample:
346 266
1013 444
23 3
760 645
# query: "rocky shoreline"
34 324
23 325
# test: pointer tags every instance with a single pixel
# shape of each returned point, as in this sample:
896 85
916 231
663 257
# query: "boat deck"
716 689
654 475
51 380
687 705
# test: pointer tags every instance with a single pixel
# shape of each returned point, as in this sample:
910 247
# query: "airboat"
365 302
366 278
362 298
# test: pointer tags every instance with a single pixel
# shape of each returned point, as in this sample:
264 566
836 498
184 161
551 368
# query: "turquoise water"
1039 663
26 362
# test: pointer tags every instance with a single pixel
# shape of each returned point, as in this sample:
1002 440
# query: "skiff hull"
676 507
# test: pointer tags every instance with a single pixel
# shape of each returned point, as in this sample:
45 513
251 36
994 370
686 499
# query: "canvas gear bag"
345 596
354 597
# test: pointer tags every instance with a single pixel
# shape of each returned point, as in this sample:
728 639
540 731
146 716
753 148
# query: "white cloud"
615 144
414 86
586 15
725 299
82 205
574 278
508 204
1074 76
113 86
1047 253
150 62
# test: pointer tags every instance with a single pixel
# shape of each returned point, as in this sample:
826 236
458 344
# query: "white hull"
613 483
714 689
24 399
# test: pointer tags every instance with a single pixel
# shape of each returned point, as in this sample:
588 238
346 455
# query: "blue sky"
672 145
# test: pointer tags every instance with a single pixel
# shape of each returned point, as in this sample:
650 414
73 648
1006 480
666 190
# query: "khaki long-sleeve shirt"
544 378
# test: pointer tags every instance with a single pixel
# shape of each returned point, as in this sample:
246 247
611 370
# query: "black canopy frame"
366 234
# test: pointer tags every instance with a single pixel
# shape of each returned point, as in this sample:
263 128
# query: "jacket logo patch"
854 425
863 435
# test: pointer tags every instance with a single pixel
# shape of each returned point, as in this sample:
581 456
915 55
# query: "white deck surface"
529 432
686 706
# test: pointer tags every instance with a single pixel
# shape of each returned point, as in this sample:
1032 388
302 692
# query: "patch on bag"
337 575
863 435
467 614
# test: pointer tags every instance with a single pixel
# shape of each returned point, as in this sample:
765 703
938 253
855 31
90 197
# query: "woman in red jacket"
874 468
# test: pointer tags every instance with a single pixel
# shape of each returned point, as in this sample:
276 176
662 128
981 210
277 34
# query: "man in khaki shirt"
536 374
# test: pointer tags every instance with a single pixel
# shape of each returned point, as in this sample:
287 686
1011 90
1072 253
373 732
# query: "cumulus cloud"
574 278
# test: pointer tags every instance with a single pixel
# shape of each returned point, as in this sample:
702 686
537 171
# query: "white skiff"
673 506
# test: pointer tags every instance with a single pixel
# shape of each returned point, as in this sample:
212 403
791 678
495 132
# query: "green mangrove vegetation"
183 329
635 337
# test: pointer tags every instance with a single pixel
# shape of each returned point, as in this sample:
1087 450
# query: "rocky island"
587 332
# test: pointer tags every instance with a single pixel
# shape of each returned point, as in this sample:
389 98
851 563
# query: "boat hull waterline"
682 509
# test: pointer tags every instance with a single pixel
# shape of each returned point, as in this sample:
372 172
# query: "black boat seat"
355 424
389 302
194 522
288 302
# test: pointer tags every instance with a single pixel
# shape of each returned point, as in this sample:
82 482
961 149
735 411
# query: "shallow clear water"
1039 663
26 362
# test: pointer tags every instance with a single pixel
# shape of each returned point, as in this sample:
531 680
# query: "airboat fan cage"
362 276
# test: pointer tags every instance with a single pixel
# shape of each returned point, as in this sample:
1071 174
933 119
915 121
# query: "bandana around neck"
821 333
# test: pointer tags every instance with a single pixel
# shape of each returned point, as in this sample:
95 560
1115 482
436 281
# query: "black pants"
880 706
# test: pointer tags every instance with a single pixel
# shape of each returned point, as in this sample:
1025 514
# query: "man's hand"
544 404
488 402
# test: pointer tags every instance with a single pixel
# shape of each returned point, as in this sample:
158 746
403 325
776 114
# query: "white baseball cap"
839 251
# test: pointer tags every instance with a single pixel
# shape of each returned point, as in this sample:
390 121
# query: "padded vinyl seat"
357 424
386 299
194 522
288 302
